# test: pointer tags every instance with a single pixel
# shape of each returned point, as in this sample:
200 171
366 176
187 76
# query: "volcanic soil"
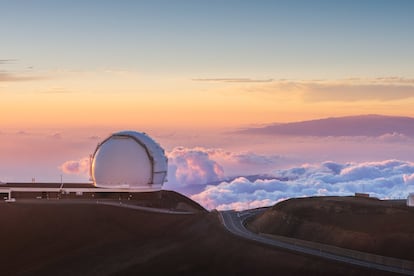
383 227
65 238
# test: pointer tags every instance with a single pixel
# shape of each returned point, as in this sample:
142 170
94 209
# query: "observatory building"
123 165
129 160
410 200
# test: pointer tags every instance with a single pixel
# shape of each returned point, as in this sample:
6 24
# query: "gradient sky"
198 63
184 71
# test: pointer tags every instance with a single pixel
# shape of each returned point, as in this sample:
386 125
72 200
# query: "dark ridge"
47 185
362 125
159 199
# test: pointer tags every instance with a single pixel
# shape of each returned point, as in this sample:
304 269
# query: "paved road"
121 204
147 209
234 223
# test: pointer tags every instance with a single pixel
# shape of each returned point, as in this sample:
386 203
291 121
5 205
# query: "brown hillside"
364 224
85 239
166 199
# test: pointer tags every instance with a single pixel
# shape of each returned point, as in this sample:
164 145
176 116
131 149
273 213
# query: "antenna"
61 183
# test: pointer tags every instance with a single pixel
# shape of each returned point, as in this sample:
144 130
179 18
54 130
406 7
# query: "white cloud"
394 137
76 166
408 179
385 179
192 166
246 205
199 165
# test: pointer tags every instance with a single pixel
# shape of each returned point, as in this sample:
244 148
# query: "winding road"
234 222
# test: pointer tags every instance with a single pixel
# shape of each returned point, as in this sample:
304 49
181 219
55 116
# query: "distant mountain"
362 125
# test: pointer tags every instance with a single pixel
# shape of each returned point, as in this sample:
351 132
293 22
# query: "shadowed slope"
364 224
74 239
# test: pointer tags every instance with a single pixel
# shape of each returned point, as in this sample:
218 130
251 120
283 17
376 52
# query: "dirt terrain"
90 239
365 224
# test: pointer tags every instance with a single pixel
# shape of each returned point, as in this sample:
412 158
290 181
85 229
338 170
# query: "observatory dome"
129 159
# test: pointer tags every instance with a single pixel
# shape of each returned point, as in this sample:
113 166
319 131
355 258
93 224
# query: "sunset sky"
201 63
71 72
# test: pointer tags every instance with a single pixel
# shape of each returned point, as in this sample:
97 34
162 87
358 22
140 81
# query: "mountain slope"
85 239
362 125
381 227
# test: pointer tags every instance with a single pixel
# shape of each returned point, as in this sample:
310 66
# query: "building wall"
410 200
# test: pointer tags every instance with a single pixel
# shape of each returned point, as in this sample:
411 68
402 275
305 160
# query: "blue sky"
286 39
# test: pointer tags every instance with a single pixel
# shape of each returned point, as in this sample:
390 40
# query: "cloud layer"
8 77
199 165
343 90
192 168
357 92
385 179
234 80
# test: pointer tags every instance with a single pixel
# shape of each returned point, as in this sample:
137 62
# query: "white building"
129 160
126 162
410 200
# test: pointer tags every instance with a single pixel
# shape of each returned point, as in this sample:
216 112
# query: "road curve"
234 223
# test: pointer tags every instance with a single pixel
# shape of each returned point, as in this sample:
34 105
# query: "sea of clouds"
204 169
389 179
200 166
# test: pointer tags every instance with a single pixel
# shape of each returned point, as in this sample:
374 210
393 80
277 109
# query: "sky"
190 73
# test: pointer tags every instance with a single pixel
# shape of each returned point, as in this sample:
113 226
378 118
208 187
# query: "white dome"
129 159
